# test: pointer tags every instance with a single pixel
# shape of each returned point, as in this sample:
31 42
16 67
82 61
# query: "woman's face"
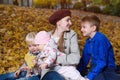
64 24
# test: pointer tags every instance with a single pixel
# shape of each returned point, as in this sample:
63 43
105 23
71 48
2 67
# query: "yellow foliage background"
16 22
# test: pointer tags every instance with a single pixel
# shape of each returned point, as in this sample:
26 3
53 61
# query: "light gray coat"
72 50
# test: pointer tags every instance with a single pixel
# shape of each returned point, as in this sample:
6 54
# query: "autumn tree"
45 3
65 3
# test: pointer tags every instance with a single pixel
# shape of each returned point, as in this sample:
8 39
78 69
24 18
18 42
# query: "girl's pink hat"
42 37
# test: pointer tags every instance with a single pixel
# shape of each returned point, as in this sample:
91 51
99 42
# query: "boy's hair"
93 20
30 37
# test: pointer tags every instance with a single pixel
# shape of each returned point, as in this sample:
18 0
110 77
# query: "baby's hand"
16 74
28 75
44 66
28 72
34 62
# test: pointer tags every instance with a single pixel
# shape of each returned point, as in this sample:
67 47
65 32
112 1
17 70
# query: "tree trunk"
27 3
84 3
15 2
1 1
63 4
10 2
5 1
21 3
30 3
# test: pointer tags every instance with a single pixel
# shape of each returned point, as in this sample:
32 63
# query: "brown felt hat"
58 15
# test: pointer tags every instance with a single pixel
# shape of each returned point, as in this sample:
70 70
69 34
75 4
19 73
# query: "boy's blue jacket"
99 52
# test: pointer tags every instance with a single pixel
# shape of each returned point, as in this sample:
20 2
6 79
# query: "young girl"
28 70
29 64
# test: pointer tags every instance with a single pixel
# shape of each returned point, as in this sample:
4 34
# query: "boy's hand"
86 79
16 74
44 66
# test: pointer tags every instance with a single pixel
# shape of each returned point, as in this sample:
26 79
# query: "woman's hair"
93 20
30 37
60 43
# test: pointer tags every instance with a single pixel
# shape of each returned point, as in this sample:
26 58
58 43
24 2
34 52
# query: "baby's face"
32 48
40 47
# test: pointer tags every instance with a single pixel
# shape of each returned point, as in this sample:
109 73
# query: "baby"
48 50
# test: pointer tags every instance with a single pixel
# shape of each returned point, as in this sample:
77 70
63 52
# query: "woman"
65 38
67 42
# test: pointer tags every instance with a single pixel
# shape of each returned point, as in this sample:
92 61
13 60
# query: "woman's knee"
52 75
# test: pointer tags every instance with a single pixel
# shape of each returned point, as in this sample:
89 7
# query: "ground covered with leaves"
16 22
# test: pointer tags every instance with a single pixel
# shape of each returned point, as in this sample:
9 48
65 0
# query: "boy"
98 51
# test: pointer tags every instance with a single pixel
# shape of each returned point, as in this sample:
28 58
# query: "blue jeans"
22 76
52 75
107 74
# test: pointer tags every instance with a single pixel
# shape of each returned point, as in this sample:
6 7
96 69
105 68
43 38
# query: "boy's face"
87 29
32 48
